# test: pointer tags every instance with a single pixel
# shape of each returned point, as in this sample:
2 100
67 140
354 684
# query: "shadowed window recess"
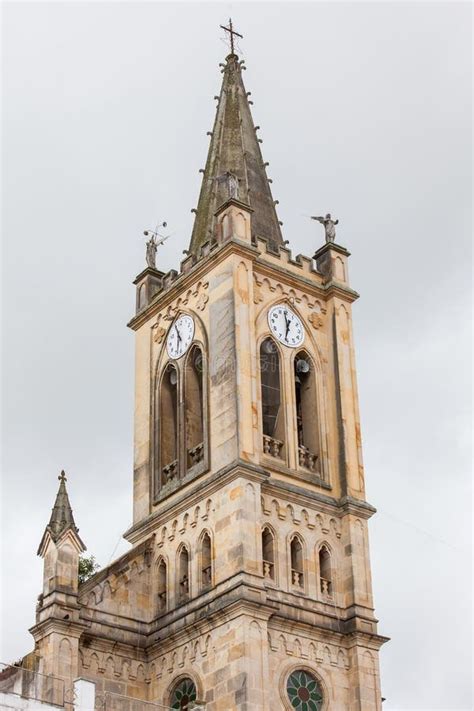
325 572
194 407
306 412
161 593
268 553
273 424
168 424
297 571
206 561
183 574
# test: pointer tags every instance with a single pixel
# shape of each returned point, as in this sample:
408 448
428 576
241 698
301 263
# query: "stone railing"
207 575
162 600
326 587
196 454
306 458
272 446
170 471
297 578
31 685
268 569
184 588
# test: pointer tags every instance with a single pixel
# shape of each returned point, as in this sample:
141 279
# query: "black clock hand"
178 333
287 326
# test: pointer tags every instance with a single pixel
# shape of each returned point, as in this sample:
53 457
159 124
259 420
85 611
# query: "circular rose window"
304 691
183 694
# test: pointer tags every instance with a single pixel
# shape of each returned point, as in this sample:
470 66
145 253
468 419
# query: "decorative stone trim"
272 446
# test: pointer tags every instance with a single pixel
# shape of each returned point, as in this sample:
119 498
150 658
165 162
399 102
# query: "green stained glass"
304 691
183 694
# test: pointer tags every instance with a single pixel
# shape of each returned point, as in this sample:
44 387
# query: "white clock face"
286 326
180 336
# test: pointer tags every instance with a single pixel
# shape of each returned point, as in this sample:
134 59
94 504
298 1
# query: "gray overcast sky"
365 112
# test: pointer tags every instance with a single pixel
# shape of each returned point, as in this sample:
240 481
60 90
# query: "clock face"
286 326
180 336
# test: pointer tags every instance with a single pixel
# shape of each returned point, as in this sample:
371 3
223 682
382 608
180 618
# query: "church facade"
248 583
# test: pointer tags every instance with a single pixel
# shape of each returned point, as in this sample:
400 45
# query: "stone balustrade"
268 569
170 471
306 458
297 578
326 587
196 454
272 446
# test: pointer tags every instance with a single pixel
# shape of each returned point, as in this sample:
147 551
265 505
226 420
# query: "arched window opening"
272 408
169 424
306 412
141 296
268 554
325 573
161 586
194 411
183 575
297 574
206 562
183 695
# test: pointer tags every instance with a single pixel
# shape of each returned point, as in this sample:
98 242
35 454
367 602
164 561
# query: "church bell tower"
247 586
248 479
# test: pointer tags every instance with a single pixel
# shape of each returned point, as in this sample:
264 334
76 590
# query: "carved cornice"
328 504
200 488
52 625
366 639
185 281
219 253
357 507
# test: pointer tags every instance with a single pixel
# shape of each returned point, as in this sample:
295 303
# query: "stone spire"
62 518
235 166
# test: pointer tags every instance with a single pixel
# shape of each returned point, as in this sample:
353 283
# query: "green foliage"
87 567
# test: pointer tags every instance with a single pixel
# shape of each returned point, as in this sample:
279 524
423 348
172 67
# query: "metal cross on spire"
231 32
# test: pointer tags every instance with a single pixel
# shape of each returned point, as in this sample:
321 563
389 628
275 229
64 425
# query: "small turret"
58 626
60 546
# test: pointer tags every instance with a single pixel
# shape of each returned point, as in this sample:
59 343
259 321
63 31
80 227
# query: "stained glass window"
304 691
183 694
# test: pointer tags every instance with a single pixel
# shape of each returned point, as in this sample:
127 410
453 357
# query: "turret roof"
62 517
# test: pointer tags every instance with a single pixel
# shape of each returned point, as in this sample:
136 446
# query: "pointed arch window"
268 554
183 574
206 561
194 407
168 424
325 572
297 570
272 406
306 412
162 592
